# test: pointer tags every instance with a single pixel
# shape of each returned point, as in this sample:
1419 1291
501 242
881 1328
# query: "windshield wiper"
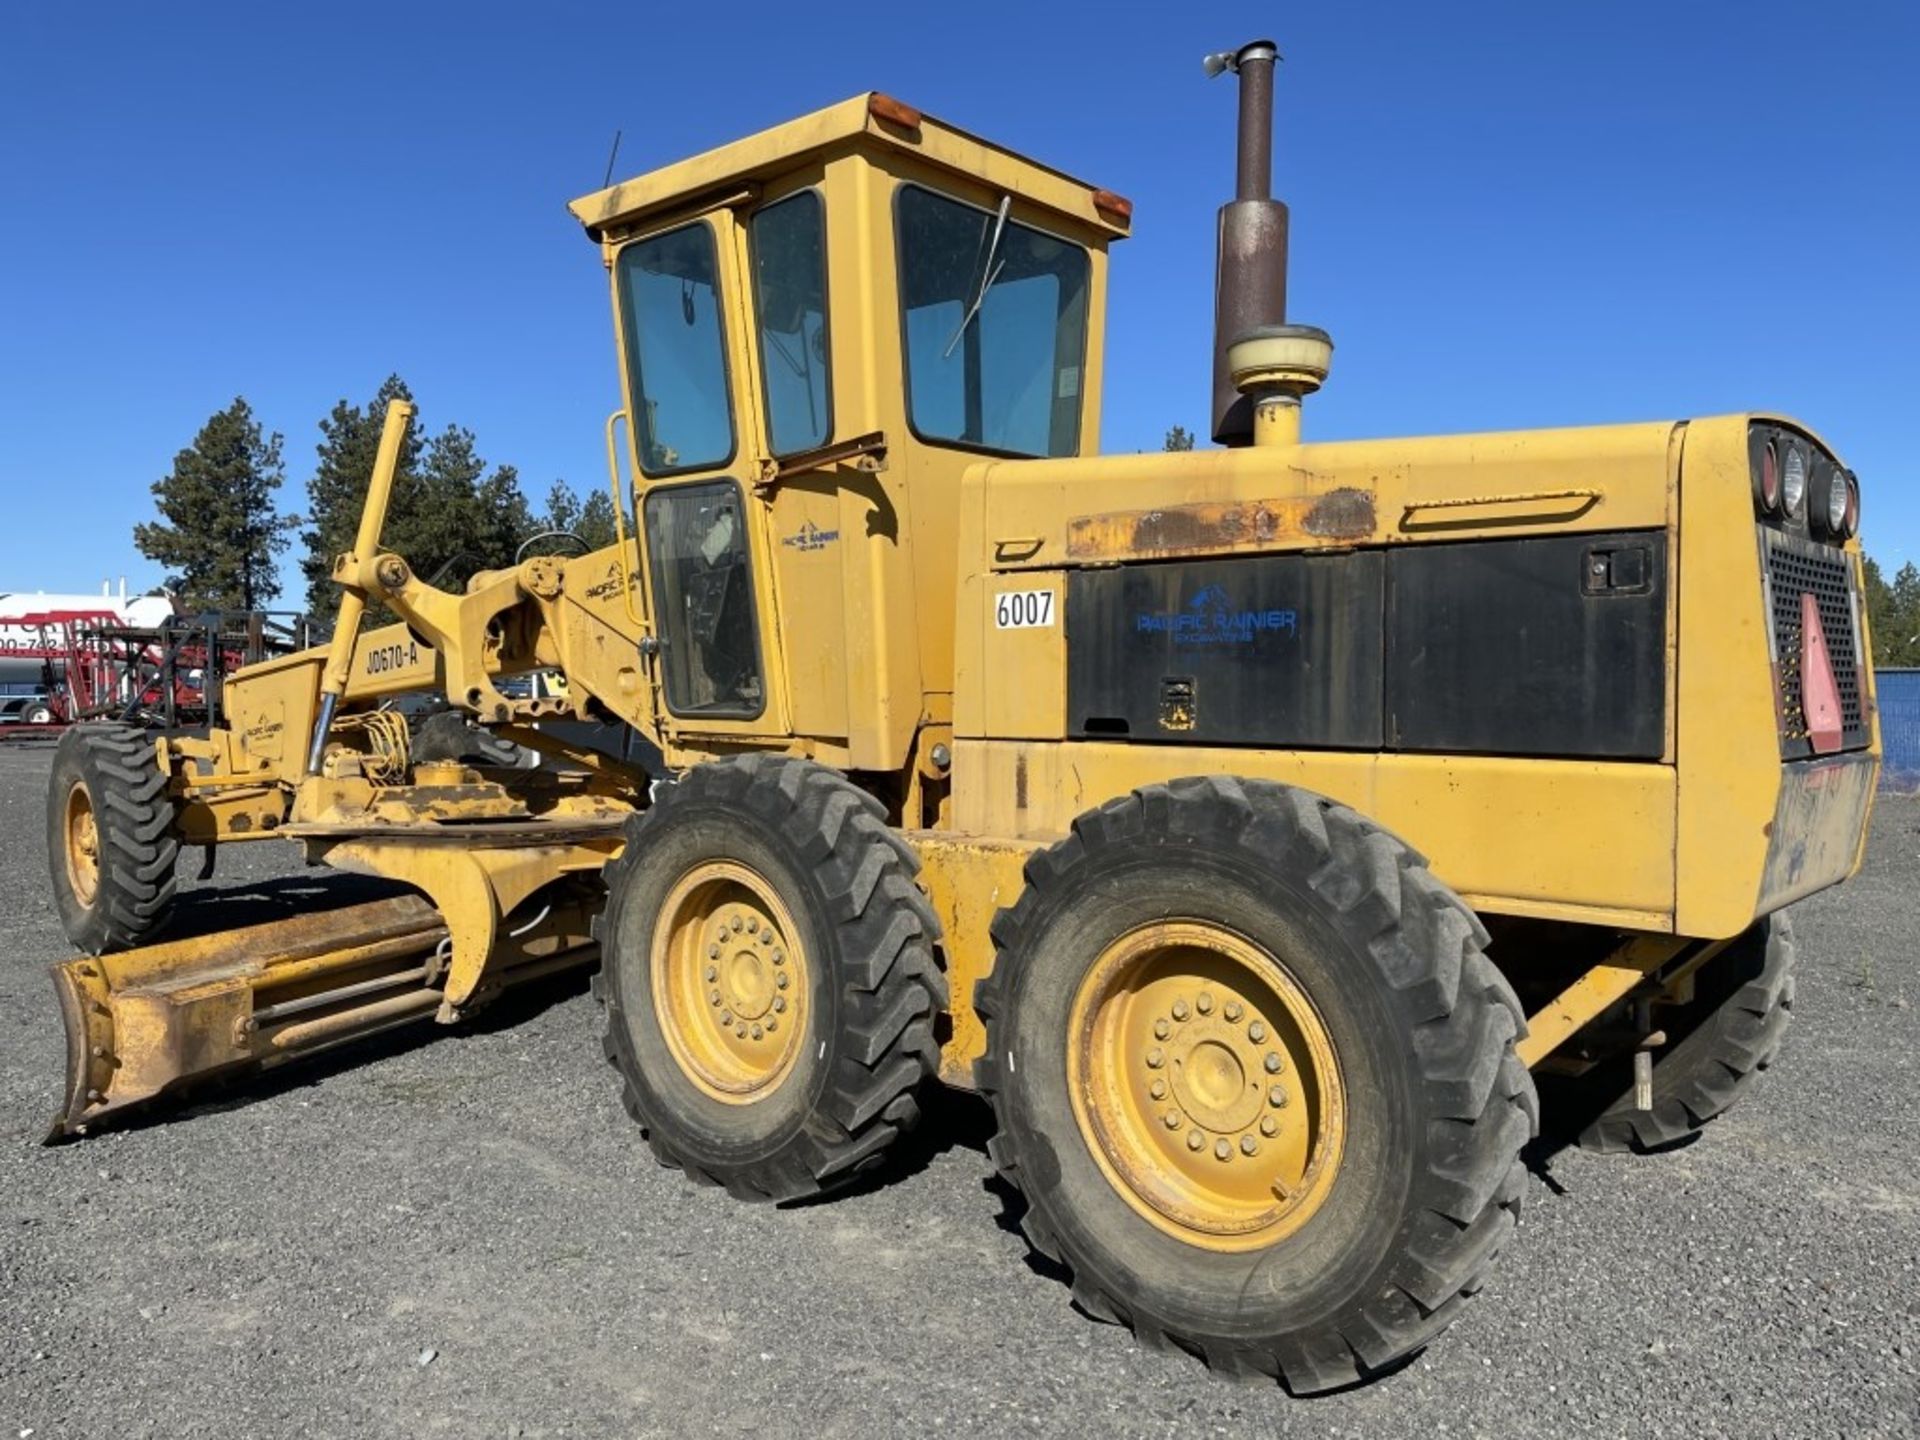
989 272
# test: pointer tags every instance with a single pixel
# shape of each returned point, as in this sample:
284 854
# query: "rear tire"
1732 1030
37 715
1427 1103
111 841
778 1067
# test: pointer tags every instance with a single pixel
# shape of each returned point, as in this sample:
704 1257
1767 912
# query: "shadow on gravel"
1566 1110
948 1118
209 909
1013 1209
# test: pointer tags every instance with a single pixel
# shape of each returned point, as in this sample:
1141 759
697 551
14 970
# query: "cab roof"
871 121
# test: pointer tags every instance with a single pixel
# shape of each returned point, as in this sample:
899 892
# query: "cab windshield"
995 322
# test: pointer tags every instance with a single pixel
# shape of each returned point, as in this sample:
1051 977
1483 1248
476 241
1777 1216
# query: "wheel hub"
1211 1081
729 981
1206 1084
83 845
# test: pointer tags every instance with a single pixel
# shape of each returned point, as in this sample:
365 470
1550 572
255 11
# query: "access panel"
1547 645
1275 650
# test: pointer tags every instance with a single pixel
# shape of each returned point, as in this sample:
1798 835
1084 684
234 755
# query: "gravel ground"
459 1232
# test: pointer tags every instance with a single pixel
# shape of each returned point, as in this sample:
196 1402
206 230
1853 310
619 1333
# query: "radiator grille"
1797 567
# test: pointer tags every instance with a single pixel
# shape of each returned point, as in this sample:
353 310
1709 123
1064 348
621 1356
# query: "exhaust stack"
1250 271
1250 278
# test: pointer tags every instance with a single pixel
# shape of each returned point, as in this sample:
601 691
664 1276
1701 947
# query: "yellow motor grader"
1248 826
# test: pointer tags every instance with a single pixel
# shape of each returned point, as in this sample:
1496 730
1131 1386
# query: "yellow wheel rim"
1206 1085
83 845
730 982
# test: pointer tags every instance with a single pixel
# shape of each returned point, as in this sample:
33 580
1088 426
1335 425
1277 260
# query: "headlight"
1828 501
1853 506
1793 479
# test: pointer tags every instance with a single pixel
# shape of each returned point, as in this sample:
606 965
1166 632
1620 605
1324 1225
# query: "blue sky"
1507 214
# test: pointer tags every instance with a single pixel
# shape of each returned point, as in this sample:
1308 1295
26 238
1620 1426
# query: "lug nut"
772 1024
1232 1010
766 936
713 972
758 1032
1221 1150
1204 1004
1171 1119
779 1002
1156 1057
1179 1009
1161 1029
1256 1032
781 979
734 924
1158 1090
1269 1126
753 925
713 952
739 1032
779 957
1273 1062
726 1019
1249 1145
1277 1097
713 997
1195 1140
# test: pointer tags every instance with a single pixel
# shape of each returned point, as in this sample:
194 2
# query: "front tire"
111 837
1358 1119
768 973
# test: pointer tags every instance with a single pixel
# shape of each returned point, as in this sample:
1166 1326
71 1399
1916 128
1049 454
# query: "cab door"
805 504
694 438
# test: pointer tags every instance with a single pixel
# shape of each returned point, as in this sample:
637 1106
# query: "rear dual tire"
1719 1042
768 973
1367 984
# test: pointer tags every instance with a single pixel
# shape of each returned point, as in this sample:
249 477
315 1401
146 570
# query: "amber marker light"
1116 208
894 112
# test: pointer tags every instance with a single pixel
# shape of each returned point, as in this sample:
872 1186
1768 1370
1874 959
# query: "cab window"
788 244
995 323
703 596
676 351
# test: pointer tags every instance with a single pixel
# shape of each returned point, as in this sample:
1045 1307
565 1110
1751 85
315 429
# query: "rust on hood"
1345 514
1212 526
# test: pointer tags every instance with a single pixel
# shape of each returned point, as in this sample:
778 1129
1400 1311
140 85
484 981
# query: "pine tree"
448 515
563 509
219 530
596 523
349 441
1899 643
1178 438
454 519
591 521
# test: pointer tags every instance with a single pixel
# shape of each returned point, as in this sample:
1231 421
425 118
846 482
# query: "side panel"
270 706
1578 840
